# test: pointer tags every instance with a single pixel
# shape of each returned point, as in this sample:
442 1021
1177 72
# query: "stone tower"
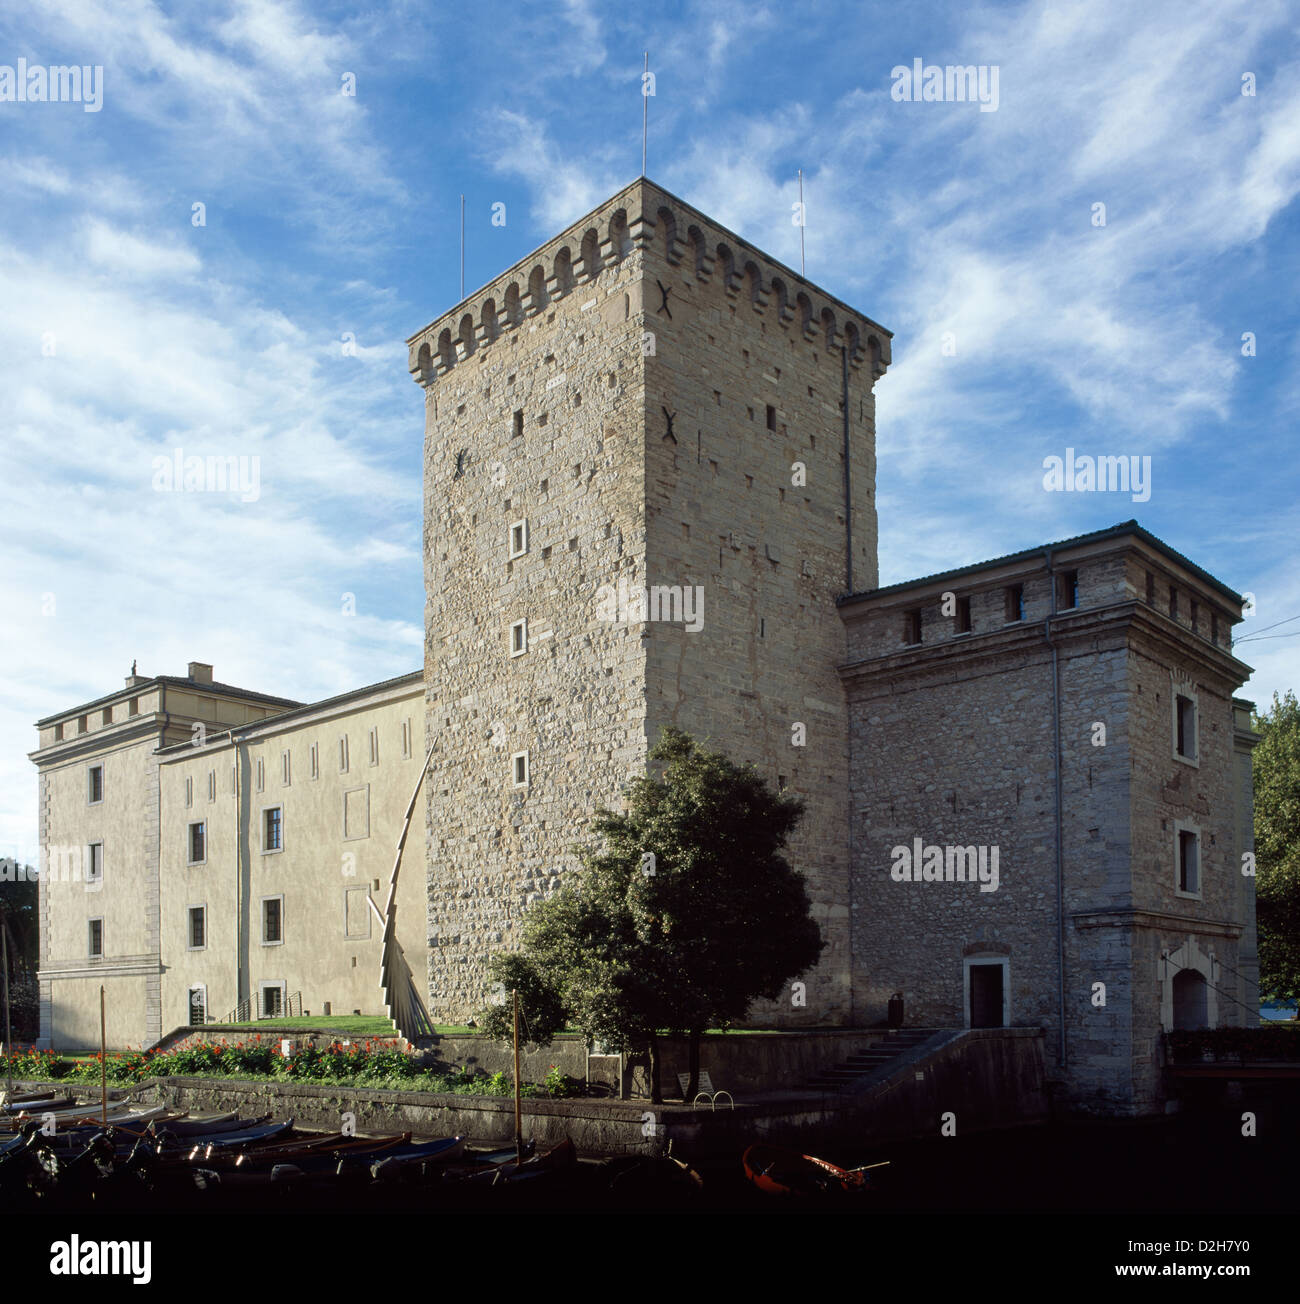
645 405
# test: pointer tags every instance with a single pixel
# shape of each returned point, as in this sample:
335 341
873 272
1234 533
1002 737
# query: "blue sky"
128 331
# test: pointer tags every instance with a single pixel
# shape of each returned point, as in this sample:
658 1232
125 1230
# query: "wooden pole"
9 1043
519 1132
103 1061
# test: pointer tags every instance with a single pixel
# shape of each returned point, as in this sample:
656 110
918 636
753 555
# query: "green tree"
685 915
1277 848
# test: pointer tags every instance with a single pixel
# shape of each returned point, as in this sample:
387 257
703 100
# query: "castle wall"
746 510
641 312
574 701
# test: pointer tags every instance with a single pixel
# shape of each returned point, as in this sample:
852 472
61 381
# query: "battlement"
639 218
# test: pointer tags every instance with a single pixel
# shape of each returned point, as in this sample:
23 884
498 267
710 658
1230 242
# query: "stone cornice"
1156 919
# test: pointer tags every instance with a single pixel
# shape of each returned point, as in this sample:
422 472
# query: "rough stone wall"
1166 791
642 311
955 751
575 700
746 508
1248 953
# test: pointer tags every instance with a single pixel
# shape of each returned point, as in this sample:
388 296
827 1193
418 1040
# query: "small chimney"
200 672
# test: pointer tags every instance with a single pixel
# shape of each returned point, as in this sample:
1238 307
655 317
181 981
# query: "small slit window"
1189 863
519 638
912 626
1015 600
519 769
963 616
1067 590
1185 726
518 539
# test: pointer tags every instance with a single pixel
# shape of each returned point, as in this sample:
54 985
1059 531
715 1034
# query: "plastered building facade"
649 499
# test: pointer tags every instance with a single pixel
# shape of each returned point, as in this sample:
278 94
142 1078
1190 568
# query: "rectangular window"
1067 590
272 921
771 417
406 738
58 732
1015 597
912 626
198 848
133 706
272 1000
107 717
1151 589
198 928
284 768
315 760
273 829
518 539
519 767
95 784
1189 863
517 426
95 862
95 937
1195 616
343 754
519 638
963 616
374 746
81 724
1185 726
1173 603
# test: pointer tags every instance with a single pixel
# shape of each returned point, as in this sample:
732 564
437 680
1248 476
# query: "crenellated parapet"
643 218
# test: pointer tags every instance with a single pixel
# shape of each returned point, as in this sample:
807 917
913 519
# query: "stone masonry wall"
575 700
745 507
570 341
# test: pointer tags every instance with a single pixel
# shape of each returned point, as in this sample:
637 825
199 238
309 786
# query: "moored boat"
786 1172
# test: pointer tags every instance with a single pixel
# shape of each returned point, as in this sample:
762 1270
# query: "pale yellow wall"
311 872
146 702
74 1011
122 822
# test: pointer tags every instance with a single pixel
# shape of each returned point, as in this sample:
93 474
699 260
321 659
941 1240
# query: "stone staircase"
887 1048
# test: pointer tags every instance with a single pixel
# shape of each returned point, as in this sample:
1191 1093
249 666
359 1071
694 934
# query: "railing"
254 1007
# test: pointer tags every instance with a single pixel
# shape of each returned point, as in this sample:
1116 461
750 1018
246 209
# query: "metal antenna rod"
645 109
802 218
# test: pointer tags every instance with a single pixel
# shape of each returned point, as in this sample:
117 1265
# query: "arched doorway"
1191 1000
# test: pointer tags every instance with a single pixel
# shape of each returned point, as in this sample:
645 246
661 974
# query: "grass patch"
362 1025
